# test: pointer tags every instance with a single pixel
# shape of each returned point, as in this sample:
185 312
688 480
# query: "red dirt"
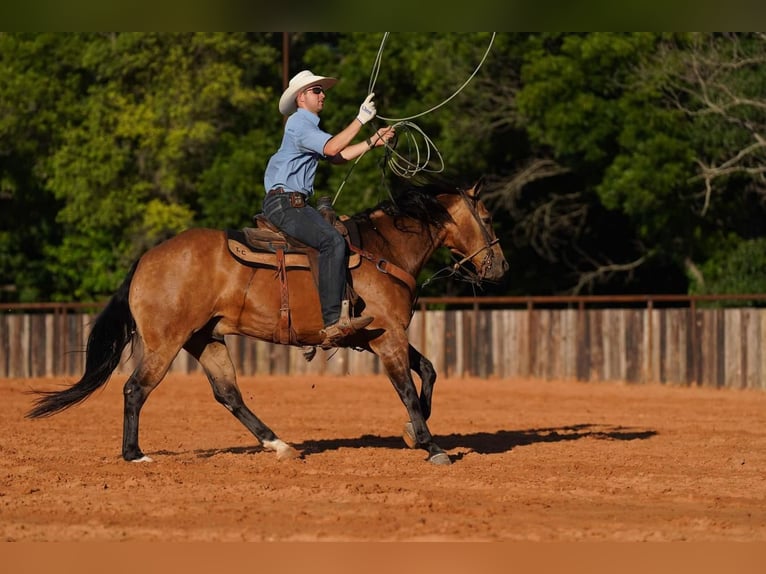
533 460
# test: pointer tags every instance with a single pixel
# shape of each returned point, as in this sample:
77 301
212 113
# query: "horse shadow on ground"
496 442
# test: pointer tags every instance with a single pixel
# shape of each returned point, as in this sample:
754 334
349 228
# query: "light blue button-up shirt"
294 165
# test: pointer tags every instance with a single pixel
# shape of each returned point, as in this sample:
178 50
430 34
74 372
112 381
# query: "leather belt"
277 190
297 199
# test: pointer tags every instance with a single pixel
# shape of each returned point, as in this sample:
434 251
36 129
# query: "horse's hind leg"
214 357
139 385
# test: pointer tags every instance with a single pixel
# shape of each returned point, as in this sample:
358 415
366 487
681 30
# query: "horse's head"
471 238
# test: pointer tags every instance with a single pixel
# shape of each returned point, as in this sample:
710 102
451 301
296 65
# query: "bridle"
459 267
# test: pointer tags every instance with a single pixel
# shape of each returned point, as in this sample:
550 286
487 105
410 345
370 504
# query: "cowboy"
289 181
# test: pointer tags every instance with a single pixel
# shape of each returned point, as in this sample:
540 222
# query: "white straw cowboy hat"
298 82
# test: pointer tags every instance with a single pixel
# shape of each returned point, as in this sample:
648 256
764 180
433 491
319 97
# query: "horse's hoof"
409 435
441 458
143 459
284 451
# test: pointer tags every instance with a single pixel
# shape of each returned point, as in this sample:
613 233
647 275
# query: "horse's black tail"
113 330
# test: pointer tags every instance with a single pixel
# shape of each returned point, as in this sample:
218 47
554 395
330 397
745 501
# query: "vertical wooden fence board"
36 345
678 344
703 344
671 359
751 335
15 362
507 356
613 344
559 334
539 343
634 348
570 343
5 345
252 354
50 338
25 339
523 329
720 347
484 354
437 339
531 337
583 345
553 364
686 322
553 343
595 346
732 340
503 357
451 344
463 323
710 357
649 361
262 357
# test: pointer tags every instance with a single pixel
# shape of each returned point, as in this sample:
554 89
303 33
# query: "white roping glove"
367 110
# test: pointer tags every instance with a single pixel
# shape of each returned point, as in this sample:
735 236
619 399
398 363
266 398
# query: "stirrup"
345 326
336 332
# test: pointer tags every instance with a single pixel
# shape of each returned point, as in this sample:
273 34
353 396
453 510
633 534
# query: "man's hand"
381 137
367 110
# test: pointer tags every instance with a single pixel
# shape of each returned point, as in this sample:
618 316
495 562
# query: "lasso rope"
399 164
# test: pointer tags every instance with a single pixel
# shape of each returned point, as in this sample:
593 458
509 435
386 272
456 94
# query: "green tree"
41 82
144 162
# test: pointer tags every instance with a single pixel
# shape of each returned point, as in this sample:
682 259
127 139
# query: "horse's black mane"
416 200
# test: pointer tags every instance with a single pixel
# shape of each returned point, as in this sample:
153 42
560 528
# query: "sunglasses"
316 90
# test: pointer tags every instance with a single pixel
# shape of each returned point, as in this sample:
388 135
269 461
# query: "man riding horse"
289 182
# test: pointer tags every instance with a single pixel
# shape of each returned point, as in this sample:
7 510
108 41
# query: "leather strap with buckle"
297 199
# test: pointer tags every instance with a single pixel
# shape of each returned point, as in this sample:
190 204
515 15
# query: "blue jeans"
307 225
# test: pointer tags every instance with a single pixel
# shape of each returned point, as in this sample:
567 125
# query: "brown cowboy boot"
346 325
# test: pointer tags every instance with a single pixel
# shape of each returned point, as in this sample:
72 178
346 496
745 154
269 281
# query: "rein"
388 268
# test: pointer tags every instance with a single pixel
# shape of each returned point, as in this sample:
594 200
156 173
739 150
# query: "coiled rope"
419 147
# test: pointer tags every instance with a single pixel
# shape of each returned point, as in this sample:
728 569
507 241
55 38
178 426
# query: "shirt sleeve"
309 137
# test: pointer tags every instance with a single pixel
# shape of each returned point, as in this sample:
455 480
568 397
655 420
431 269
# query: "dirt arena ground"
532 461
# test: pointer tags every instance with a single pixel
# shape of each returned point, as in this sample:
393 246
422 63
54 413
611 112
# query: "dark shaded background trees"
616 162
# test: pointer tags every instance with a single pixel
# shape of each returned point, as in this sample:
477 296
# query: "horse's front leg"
425 370
394 353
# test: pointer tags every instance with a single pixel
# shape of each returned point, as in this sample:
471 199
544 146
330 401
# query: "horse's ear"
474 191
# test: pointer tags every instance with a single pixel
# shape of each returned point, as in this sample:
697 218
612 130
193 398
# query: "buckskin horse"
191 290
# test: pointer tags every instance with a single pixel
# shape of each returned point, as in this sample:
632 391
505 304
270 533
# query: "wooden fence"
668 339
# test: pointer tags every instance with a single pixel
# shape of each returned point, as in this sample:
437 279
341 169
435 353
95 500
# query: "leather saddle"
266 246
259 246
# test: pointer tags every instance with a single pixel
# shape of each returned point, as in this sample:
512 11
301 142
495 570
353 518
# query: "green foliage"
739 268
160 112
